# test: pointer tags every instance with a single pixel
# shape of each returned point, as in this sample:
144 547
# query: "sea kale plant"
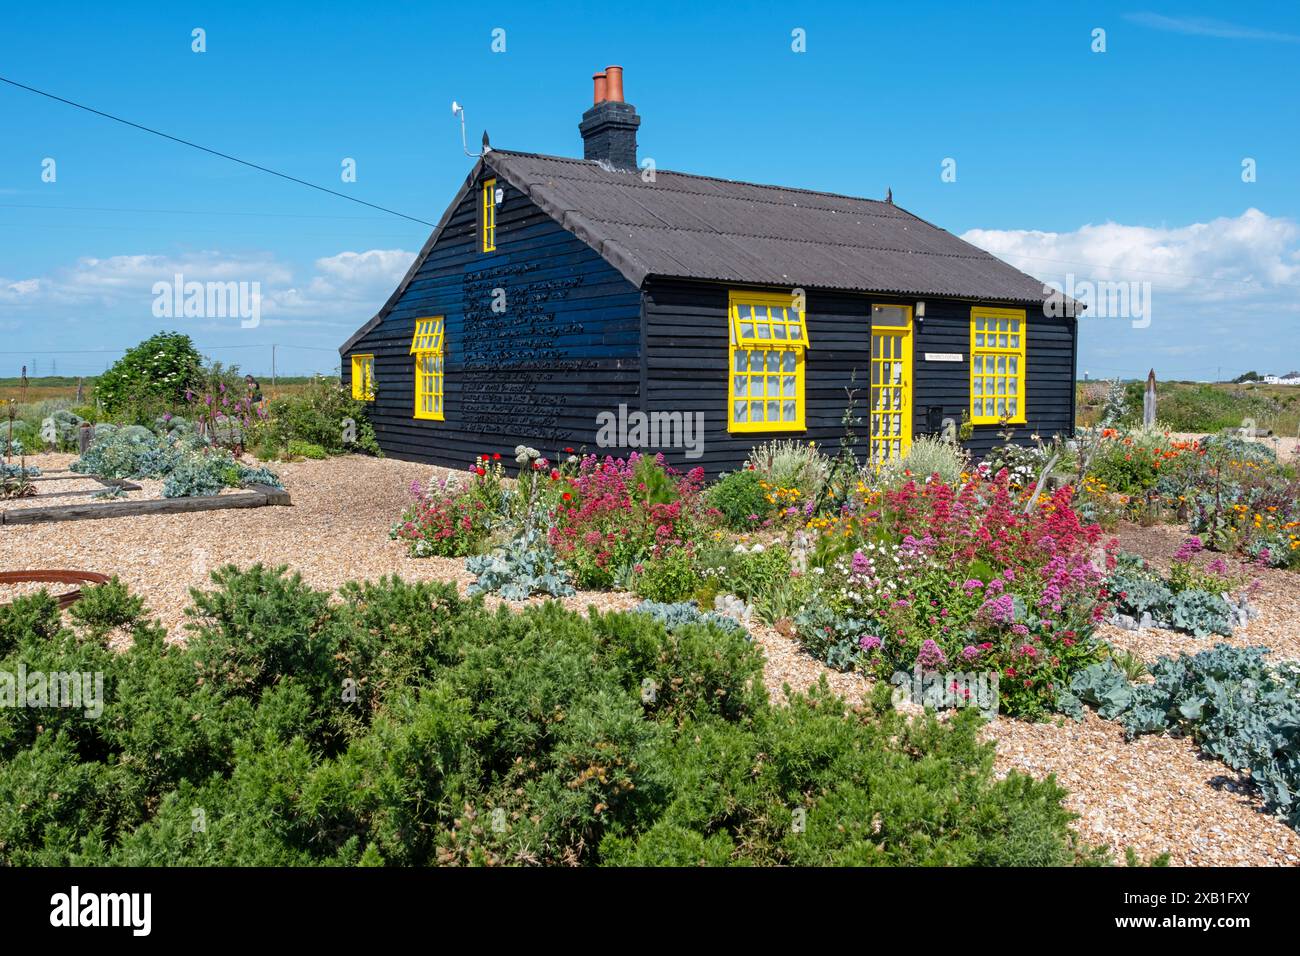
1235 704
1189 599
185 461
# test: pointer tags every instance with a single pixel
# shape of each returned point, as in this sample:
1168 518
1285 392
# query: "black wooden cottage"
557 296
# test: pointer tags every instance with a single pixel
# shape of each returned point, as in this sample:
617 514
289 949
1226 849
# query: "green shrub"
740 499
791 464
306 449
151 377
323 414
928 455
403 725
668 578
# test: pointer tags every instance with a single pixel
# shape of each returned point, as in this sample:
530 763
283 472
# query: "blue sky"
1124 165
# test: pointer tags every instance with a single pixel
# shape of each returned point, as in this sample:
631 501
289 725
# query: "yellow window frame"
998 340
427 345
489 217
363 378
769 337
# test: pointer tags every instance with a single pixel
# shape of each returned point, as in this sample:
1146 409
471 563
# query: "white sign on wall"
943 356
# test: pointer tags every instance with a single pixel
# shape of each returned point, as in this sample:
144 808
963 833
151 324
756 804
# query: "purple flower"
869 643
970 652
860 564
1000 609
1189 548
973 584
931 656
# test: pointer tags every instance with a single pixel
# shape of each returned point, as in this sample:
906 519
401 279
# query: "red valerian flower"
480 472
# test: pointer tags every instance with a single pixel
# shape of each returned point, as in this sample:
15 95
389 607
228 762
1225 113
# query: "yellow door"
891 382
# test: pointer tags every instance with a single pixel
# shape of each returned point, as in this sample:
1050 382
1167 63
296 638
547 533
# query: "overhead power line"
213 152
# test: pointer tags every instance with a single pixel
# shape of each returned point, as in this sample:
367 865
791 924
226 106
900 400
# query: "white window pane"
1011 407
1013 364
756 361
788 361
788 412
979 340
740 383
740 411
741 361
773 362
787 386
747 330
773 411
1002 406
756 411
778 331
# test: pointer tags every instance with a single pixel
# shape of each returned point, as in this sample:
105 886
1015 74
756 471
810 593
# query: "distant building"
1290 378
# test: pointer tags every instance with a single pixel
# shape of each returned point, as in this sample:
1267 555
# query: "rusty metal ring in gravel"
55 577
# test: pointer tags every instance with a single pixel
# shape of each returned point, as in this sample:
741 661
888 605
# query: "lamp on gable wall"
920 314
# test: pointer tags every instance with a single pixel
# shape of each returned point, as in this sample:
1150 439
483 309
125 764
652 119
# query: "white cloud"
1207 27
347 287
1224 295
1227 259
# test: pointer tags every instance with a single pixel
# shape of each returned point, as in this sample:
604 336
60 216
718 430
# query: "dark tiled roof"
702 228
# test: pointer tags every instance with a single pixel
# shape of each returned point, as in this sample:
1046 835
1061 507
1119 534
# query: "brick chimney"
609 127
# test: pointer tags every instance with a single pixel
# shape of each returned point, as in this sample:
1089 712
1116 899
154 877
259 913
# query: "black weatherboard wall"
565 347
686 367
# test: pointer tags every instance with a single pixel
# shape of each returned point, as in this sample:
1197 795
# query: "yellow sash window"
363 378
997 366
765 391
427 347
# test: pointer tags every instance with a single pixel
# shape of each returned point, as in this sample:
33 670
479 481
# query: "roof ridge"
715 179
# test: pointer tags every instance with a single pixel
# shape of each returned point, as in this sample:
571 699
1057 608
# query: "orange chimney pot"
598 93
614 84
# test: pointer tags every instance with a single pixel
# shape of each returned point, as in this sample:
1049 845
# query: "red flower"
555 474
480 472
566 496
496 456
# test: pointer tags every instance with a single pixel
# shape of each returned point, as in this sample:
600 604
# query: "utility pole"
273 348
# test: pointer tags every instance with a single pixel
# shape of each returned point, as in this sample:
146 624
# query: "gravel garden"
560 657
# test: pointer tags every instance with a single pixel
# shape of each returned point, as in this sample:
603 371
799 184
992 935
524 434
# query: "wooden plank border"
255 497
